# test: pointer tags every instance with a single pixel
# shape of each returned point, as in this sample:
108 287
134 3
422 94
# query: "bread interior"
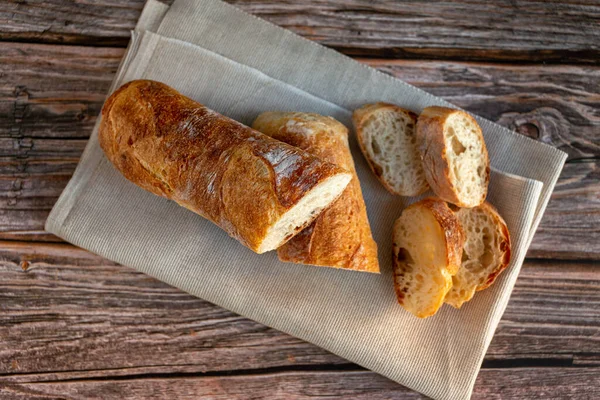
389 138
304 212
483 255
466 158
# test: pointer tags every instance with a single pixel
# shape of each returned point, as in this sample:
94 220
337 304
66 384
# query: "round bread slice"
486 252
387 138
454 155
427 246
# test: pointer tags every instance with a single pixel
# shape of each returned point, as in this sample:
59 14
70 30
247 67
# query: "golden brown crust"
431 143
359 117
341 236
505 245
453 232
454 242
174 147
430 139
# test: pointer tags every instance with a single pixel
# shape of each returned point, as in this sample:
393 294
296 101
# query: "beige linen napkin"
257 67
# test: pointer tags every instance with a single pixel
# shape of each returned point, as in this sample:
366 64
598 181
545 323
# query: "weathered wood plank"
27 254
66 310
31 236
553 317
491 384
570 228
537 383
31 179
52 91
283 385
95 22
58 91
548 31
72 310
66 85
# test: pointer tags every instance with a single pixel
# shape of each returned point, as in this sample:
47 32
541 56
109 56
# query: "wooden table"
74 325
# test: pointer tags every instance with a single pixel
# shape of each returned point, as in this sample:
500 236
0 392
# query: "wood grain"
66 310
94 22
73 324
52 91
570 227
491 384
33 173
57 92
51 96
549 31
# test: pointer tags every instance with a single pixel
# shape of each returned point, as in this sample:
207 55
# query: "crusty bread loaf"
454 155
341 236
486 252
427 246
259 190
387 138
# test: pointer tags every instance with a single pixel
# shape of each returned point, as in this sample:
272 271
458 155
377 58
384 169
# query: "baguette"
259 190
387 138
340 237
486 252
427 245
454 156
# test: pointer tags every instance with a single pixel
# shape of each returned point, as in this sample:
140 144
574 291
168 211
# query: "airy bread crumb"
386 135
486 252
454 155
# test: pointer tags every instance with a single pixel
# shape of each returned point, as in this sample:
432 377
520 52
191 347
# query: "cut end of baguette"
454 155
427 248
340 237
486 252
304 212
387 138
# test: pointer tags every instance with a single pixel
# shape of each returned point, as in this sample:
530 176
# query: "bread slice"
427 246
340 237
454 155
386 135
486 252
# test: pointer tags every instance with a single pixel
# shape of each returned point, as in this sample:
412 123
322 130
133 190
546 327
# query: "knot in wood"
529 129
